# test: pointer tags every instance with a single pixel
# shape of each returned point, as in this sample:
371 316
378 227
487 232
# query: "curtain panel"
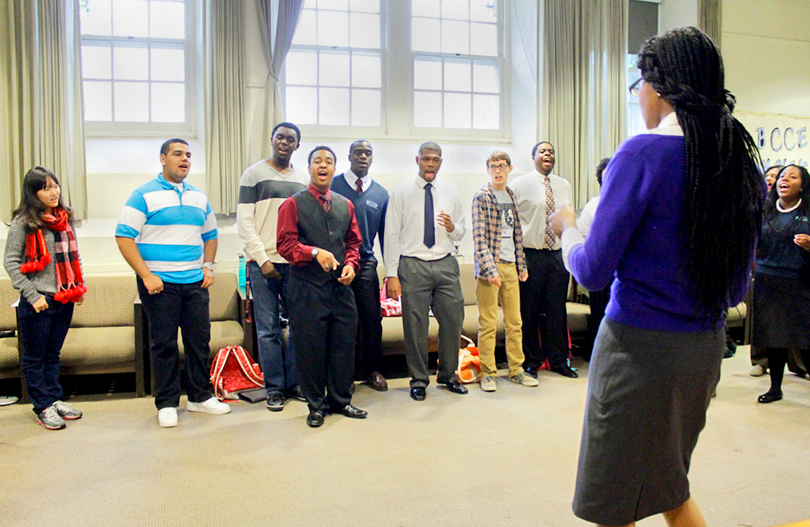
277 22
584 93
225 150
41 99
710 19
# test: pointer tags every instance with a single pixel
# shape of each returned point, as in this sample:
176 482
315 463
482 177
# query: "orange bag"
469 364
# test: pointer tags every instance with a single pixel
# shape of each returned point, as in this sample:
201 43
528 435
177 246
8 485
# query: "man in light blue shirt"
167 233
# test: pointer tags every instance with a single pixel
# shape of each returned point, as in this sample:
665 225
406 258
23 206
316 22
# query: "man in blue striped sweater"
167 233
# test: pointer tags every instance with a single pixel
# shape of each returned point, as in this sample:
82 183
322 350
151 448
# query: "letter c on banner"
785 142
778 134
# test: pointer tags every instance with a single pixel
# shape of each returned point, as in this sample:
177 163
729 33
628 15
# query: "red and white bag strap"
247 368
216 370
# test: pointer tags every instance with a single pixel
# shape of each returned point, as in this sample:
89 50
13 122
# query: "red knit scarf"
69 282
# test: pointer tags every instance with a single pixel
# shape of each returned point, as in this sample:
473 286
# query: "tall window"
334 70
395 67
456 64
134 62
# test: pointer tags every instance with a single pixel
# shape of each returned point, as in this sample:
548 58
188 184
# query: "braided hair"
723 198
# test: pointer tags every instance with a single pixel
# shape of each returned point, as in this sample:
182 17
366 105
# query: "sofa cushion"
9 356
224 297
111 345
8 296
577 317
108 302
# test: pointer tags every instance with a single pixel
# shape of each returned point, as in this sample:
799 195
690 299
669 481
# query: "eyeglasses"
500 167
635 87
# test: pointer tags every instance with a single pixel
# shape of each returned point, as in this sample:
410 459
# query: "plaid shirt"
487 229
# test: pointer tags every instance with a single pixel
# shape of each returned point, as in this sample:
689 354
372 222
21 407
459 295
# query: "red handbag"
232 371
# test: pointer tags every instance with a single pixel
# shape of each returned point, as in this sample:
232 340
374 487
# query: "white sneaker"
167 417
211 406
488 383
6 400
757 371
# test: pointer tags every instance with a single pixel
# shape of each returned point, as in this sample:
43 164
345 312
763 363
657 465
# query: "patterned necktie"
430 227
359 185
550 238
327 203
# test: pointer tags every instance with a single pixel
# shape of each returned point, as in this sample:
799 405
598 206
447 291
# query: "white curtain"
584 95
41 105
225 151
710 18
277 21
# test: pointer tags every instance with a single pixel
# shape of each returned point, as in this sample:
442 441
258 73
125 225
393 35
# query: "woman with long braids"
678 221
42 260
782 282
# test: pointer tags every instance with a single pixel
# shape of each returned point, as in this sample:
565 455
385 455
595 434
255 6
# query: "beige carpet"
507 458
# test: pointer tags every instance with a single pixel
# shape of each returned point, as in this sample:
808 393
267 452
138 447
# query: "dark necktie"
359 184
326 203
430 227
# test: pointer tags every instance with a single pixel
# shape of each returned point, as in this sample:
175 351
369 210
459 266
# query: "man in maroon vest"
318 235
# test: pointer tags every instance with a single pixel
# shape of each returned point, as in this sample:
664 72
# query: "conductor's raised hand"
327 261
563 219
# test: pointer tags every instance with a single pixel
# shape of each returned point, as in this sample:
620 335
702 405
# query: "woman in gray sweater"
42 260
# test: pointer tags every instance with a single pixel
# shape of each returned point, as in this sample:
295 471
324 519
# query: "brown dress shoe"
377 382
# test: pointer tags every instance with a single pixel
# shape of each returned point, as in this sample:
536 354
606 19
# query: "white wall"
677 13
766 50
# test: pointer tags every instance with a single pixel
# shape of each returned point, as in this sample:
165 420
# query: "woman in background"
42 260
782 282
677 225
759 357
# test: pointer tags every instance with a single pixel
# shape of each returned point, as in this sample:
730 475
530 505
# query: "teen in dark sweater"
370 202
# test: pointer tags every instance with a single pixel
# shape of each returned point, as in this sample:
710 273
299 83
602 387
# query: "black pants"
599 301
183 306
544 292
323 320
366 286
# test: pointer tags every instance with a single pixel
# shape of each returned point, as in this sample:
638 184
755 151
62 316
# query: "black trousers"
366 286
599 301
183 306
323 320
544 293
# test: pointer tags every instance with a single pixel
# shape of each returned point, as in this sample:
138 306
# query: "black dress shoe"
456 387
315 418
296 394
377 382
769 397
350 411
531 370
418 394
565 371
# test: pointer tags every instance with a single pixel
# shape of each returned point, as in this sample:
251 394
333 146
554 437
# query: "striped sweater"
262 190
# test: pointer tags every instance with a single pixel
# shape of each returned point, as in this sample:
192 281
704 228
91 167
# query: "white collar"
668 126
351 179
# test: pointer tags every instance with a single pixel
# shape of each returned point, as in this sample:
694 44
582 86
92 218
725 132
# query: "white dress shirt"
351 179
405 221
530 194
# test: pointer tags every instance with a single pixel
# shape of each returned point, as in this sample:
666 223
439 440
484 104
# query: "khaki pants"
487 296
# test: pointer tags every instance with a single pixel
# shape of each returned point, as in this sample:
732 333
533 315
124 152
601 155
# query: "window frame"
187 128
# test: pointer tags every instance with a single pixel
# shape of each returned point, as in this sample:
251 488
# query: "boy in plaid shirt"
499 265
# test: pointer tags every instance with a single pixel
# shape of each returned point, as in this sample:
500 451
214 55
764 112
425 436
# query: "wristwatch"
315 252
209 266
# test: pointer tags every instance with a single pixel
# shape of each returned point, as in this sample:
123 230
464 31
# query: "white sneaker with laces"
757 371
167 417
211 406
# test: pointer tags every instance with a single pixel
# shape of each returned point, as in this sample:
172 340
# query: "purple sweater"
636 235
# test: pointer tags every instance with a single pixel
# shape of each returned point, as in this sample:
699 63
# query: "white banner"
782 139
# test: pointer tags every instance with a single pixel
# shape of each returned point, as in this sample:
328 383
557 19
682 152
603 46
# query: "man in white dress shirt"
538 194
425 216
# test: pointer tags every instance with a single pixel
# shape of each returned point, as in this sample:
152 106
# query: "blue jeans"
43 335
277 365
